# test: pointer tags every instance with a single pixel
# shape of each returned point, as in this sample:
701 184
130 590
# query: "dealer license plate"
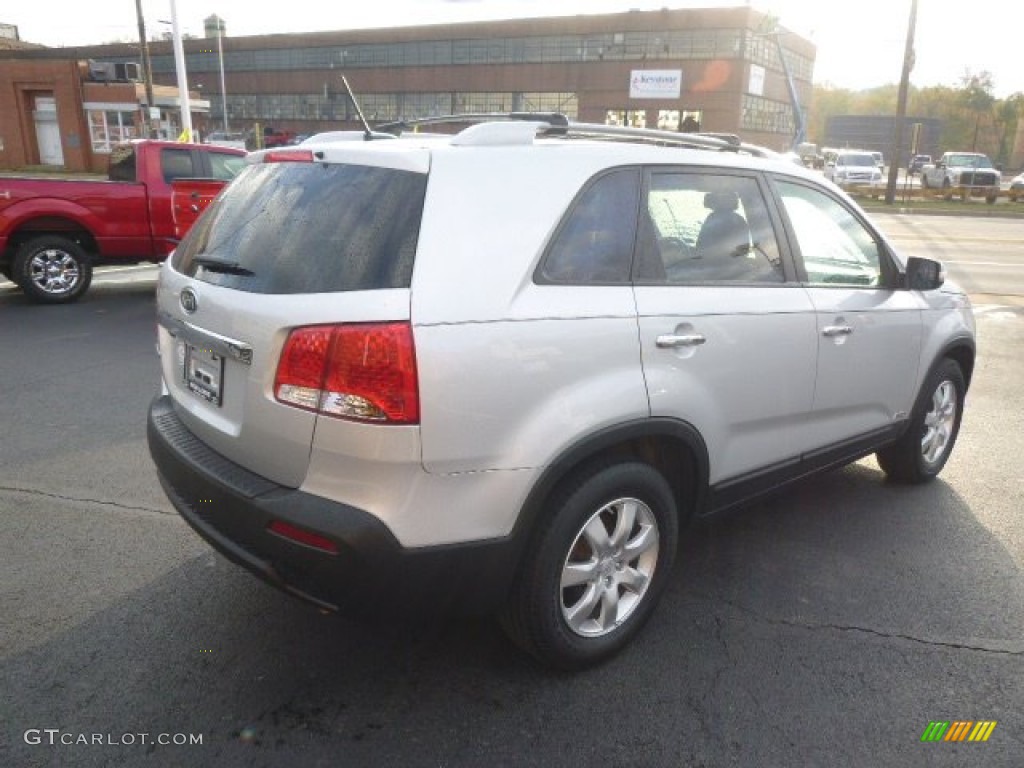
204 373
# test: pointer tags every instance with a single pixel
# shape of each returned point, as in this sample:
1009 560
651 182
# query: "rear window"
308 228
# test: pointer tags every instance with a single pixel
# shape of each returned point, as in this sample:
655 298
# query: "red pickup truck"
54 231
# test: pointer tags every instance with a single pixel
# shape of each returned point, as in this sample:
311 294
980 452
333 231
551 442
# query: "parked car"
1017 187
54 231
969 174
268 138
854 168
383 392
917 162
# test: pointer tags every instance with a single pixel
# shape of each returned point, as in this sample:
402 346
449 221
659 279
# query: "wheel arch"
962 352
58 226
675 448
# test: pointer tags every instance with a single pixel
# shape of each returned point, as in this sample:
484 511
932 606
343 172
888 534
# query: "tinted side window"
176 164
225 166
835 247
707 228
309 228
594 244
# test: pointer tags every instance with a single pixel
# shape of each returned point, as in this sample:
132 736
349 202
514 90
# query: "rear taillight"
365 372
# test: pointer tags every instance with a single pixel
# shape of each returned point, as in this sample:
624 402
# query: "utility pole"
147 68
901 108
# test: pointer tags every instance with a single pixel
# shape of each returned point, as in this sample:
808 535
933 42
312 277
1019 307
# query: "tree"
971 115
976 96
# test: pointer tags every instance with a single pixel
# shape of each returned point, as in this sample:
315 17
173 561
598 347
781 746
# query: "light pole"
179 65
220 59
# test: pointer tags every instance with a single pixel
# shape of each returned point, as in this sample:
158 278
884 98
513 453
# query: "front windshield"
969 161
860 160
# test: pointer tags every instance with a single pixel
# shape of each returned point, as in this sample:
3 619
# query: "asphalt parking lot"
828 625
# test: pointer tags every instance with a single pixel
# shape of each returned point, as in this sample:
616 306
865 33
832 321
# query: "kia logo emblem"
189 300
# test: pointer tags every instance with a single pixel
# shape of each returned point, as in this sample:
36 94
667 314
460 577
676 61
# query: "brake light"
289 156
359 371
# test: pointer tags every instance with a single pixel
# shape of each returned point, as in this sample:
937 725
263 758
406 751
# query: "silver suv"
500 370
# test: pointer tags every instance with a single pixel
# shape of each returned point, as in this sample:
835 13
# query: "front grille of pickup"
978 179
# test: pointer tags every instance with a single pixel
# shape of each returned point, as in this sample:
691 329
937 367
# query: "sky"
860 42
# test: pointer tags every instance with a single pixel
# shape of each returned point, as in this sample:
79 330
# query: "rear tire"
52 269
596 569
922 452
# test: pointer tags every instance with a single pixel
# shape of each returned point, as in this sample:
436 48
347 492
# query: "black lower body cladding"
370 573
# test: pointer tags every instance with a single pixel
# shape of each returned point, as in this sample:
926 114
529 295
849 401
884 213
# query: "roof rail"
559 125
554 119
657 136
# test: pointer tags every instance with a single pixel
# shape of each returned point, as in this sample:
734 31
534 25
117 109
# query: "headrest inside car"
721 201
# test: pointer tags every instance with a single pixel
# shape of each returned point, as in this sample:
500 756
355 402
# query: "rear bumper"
232 508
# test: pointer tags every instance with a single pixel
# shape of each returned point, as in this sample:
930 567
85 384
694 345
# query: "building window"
633 118
567 104
107 128
766 115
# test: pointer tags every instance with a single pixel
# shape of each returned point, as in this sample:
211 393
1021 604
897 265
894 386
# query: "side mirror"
924 274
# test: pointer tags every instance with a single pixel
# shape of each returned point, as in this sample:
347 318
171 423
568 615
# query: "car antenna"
367 133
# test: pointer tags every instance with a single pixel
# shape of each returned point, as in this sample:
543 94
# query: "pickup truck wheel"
52 269
921 453
991 199
594 573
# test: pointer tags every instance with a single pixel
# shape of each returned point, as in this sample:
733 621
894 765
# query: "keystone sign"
655 83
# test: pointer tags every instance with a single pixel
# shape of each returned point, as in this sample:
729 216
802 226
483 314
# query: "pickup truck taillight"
359 371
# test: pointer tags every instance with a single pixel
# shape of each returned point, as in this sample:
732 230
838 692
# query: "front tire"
52 270
596 569
922 452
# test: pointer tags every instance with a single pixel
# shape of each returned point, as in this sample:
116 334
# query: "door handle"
836 330
670 341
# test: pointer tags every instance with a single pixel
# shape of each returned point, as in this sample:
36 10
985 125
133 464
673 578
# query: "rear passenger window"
176 164
595 242
699 227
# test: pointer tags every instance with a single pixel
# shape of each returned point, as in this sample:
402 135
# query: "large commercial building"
719 69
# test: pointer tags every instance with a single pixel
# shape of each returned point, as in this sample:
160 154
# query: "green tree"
971 115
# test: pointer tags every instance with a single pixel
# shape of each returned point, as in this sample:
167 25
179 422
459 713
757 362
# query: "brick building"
718 69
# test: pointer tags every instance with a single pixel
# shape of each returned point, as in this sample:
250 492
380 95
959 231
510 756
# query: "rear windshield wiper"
219 265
